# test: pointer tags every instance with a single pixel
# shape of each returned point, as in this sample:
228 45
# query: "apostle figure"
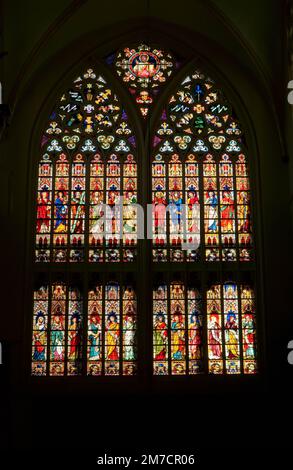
195 336
178 337
39 338
159 208
94 335
57 334
193 211
43 213
74 336
77 212
112 337
212 203
60 213
113 215
248 328
160 337
175 211
227 212
129 338
232 336
214 337
97 213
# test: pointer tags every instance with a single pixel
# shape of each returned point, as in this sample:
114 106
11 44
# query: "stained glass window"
200 181
88 161
59 335
179 339
57 331
88 221
177 330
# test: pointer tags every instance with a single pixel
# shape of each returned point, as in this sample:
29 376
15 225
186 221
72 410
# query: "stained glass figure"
74 332
94 332
57 330
248 321
112 329
40 331
178 330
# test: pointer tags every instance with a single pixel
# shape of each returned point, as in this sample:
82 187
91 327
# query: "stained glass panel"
175 225
111 348
40 331
59 335
87 172
179 320
44 209
231 336
177 330
77 213
198 133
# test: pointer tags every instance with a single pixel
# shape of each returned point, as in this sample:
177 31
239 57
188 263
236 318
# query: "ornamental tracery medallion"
143 69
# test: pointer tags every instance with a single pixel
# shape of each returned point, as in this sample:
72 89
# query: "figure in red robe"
159 208
43 213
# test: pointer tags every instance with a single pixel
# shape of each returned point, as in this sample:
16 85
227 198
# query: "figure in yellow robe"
112 337
232 336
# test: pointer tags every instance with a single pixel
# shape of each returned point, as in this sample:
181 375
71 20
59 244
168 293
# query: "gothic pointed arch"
201 225
88 158
202 222
87 165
